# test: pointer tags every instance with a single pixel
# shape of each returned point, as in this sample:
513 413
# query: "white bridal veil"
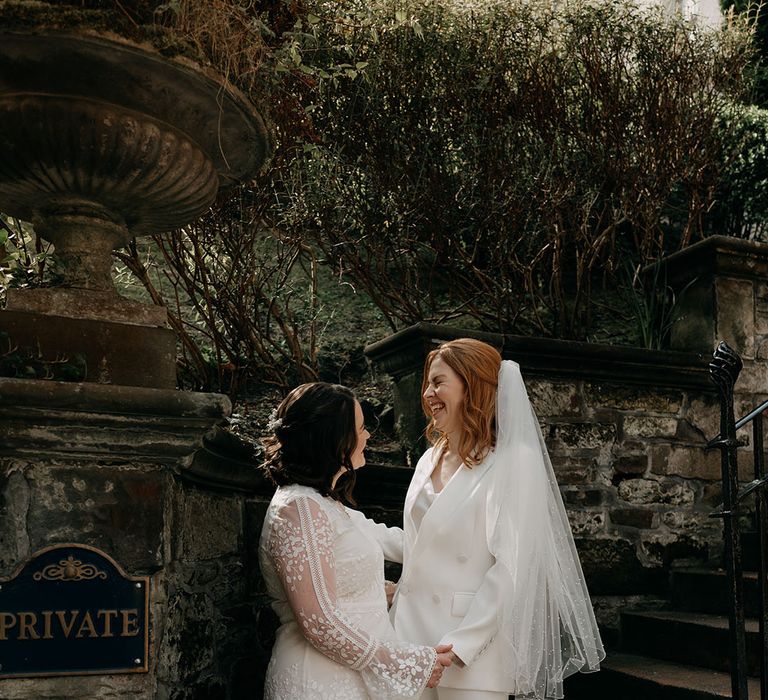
545 615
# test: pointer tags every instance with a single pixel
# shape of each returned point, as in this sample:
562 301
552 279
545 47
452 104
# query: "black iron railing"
724 370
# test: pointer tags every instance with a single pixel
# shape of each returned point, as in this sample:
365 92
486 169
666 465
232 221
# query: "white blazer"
450 584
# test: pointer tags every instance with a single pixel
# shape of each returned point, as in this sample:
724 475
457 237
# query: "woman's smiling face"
444 396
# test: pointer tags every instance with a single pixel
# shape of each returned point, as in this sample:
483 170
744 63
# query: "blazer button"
436 599
462 558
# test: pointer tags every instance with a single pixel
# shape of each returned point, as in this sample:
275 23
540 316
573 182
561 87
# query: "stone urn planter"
101 141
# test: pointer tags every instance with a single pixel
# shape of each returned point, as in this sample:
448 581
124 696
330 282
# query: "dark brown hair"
314 435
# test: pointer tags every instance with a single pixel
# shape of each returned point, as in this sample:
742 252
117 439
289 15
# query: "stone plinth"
92 305
110 353
115 340
146 476
722 292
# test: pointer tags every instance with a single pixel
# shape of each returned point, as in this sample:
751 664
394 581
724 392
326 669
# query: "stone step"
631 677
697 639
706 591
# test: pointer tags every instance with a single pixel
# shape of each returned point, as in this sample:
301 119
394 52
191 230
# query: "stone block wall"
204 637
626 458
637 484
140 485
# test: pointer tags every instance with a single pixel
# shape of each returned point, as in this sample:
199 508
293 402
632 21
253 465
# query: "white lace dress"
323 565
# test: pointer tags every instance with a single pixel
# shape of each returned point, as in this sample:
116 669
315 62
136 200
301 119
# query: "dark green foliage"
24 258
741 204
493 157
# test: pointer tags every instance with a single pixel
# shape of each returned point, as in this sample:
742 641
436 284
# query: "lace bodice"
324 569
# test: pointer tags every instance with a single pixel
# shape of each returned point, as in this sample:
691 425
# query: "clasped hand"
444 660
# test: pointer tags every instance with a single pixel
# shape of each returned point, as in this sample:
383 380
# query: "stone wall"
637 485
131 472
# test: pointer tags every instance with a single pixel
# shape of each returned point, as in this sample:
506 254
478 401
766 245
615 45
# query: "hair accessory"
273 423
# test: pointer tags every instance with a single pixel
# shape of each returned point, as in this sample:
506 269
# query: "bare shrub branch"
496 161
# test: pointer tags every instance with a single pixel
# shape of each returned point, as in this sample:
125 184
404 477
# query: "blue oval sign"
70 609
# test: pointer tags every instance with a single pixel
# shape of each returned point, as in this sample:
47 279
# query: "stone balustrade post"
721 285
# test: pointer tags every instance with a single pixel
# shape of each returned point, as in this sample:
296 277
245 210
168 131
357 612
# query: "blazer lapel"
457 491
421 474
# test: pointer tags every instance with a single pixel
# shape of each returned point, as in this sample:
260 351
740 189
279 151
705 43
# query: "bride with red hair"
489 564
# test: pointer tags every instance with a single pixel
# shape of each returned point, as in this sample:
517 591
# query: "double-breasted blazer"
450 585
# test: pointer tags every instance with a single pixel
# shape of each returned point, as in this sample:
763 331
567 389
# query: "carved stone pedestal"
101 141
113 468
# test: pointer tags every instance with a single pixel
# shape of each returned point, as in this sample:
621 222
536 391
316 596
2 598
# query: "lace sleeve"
301 547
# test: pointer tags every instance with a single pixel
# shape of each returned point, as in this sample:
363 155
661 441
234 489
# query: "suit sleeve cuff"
464 653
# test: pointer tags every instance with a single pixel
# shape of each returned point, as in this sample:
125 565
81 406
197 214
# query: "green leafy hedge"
499 160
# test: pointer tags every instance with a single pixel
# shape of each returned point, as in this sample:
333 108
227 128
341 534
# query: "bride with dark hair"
323 563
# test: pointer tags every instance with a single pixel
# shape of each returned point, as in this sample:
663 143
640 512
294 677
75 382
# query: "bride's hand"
389 589
444 660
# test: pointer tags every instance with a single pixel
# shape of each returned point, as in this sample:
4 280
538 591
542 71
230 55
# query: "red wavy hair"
477 364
